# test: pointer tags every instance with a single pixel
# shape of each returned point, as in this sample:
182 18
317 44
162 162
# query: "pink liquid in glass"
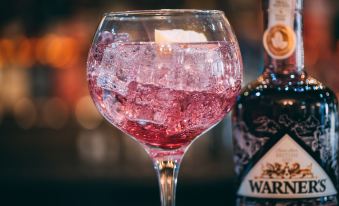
164 95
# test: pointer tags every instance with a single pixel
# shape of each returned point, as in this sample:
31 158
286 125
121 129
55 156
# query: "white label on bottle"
286 171
281 12
279 38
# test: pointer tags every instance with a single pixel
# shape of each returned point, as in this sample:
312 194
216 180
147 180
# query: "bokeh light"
95 147
87 114
55 113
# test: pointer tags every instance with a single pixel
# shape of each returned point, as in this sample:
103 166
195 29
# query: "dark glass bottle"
285 124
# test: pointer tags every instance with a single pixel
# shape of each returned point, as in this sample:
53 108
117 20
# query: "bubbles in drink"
164 94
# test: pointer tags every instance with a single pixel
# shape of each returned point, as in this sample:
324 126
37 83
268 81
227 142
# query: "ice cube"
141 114
97 51
146 71
196 67
114 108
105 37
118 67
121 37
159 117
110 82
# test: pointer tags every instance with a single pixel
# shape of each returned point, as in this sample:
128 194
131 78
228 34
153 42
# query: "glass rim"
162 12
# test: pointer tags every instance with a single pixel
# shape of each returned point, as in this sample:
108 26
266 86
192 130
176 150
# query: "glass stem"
167 171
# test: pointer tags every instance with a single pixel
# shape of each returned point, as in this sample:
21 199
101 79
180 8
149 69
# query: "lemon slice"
178 36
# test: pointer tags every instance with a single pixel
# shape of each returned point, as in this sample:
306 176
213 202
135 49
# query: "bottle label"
286 171
279 38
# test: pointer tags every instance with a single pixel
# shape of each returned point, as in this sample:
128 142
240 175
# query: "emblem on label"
279 41
286 171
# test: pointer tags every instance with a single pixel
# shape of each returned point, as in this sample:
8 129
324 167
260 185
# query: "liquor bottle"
285 124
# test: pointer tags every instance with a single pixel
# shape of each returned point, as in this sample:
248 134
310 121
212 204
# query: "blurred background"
55 149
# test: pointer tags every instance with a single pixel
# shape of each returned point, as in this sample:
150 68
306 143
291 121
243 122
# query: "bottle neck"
283 40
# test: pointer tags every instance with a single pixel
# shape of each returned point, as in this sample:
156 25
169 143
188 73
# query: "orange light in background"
61 48
40 50
70 84
60 52
57 51
7 52
18 52
25 52
15 85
